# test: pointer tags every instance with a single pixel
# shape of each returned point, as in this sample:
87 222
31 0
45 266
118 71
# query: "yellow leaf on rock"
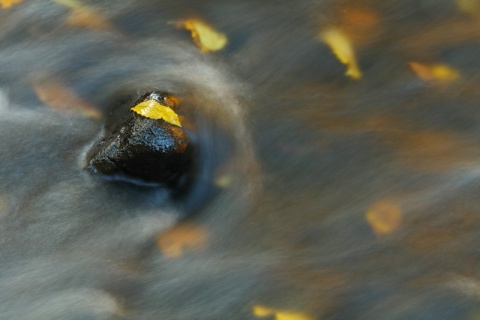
180 239
8 3
153 110
204 35
262 311
384 217
341 46
58 96
434 72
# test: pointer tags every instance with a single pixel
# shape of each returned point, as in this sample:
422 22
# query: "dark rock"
143 150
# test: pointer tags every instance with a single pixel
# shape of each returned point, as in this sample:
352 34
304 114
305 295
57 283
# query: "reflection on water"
337 160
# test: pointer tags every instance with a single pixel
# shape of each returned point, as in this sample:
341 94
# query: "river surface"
315 195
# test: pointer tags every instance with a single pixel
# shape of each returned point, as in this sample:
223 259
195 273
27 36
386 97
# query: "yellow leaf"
434 72
180 239
384 217
262 311
58 96
8 3
341 46
153 110
224 181
469 6
204 35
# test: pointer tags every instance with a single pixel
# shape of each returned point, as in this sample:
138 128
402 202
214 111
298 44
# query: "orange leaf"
82 16
88 18
57 96
434 72
384 217
432 150
180 239
8 3
359 17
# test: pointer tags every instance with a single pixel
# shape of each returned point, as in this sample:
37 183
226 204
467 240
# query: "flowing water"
313 193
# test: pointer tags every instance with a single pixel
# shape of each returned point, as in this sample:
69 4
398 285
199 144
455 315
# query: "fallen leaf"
360 24
341 46
432 150
434 72
181 239
469 6
262 311
384 217
359 17
153 110
88 18
224 181
171 101
8 3
82 16
225 175
204 35
56 95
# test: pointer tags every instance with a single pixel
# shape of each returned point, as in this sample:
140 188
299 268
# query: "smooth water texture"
314 193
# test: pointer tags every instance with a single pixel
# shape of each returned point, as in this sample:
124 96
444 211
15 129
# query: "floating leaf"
359 17
341 46
181 239
204 35
224 181
88 18
361 24
82 16
432 150
8 3
58 96
384 217
434 72
153 110
261 311
469 6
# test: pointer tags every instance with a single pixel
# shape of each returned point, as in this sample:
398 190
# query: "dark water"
293 155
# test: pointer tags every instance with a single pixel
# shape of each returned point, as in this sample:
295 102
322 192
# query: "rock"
148 145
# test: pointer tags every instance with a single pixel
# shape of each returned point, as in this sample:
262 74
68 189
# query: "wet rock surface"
143 150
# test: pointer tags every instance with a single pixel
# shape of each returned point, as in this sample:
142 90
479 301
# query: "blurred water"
293 155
